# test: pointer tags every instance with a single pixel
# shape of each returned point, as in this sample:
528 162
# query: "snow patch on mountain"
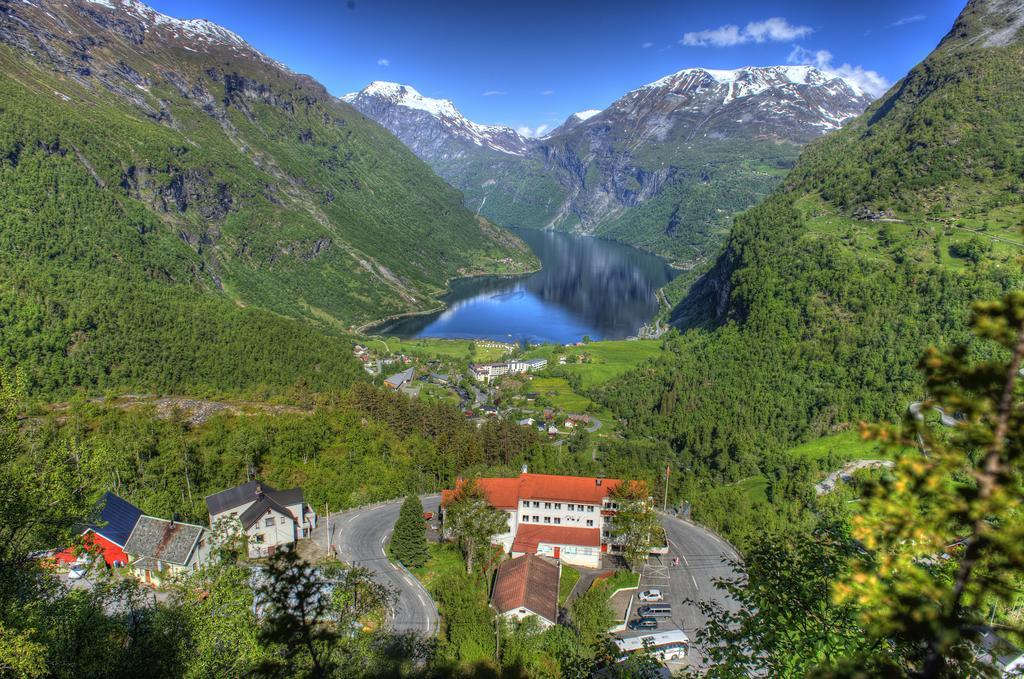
584 116
497 137
747 81
198 29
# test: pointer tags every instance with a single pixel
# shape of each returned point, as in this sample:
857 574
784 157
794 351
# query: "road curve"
360 537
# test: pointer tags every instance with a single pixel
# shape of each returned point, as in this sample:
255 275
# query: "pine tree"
409 541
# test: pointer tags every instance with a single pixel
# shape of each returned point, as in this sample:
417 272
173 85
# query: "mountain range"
152 167
664 167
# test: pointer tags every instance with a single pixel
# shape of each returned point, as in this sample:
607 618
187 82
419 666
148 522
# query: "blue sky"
532 63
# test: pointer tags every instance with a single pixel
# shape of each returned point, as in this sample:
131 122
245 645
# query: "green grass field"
436 348
557 392
444 559
570 576
619 580
608 359
847 444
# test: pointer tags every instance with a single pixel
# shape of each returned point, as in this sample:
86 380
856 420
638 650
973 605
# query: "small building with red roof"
566 518
527 585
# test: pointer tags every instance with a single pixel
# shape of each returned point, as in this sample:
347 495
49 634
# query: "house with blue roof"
114 519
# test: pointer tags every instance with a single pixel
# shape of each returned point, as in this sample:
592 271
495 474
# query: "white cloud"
547 93
907 20
533 131
871 82
775 29
383 62
494 93
647 45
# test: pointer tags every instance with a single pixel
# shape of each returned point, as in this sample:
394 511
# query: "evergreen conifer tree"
409 541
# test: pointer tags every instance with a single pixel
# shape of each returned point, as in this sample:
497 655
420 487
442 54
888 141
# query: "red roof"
501 493
569 488
528 582
529 535
506 493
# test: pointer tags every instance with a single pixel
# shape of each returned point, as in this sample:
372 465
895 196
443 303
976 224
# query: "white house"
269 518
564 517
525 586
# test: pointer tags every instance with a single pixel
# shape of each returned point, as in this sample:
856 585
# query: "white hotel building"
562 517
485 372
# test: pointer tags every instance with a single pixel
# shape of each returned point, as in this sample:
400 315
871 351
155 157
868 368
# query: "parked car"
651 595
643 623
655 611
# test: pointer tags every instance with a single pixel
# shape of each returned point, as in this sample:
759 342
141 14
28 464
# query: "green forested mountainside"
509 190
688 220
818 310
158 197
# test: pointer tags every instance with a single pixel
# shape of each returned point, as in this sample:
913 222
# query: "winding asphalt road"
360 536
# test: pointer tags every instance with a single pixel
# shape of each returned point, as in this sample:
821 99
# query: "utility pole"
664 506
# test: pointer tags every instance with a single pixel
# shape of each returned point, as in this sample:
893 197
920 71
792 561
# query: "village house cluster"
154 549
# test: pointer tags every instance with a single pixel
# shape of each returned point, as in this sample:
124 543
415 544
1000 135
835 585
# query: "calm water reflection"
587 286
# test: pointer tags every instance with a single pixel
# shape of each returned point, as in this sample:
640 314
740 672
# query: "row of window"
547 519
572 507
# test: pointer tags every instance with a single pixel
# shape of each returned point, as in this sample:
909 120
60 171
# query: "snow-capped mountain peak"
785 96
748 80
385 102
584 116
198 29
408 96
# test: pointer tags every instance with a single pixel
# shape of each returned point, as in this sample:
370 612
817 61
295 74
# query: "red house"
117 518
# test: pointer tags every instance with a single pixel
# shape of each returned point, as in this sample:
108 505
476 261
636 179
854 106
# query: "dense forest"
817 312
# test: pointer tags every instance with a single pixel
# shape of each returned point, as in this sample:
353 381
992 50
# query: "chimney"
259 490
524 469
598 481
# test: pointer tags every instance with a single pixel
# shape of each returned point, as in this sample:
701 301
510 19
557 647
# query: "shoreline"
365 328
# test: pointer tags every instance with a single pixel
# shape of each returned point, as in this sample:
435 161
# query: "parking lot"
703 558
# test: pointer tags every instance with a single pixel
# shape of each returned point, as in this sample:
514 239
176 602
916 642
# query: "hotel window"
526 503
547 505
536 519
526 519
590 508
590 523
547 519
536 504
571 507
558 505
558 520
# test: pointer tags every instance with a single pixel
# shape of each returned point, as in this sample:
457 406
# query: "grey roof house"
158 548
269 518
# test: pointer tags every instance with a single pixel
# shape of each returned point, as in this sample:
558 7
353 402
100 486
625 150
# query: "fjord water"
586 287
